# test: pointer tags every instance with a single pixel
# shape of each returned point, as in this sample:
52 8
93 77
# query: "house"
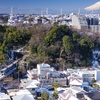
4 96
16 92
92 95
66 95
49 89
30 85
26 82
32 74
75 82
78 92
31 88
23 97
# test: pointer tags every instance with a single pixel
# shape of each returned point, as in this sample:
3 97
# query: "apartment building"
79 22
47 76
88 75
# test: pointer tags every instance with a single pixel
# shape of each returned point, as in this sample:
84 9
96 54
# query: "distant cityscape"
77 20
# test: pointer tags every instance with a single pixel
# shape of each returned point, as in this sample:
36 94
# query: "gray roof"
93 95
23 97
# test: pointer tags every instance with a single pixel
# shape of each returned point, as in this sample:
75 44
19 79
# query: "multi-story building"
47 76
32 74
88 75
79 22
42 70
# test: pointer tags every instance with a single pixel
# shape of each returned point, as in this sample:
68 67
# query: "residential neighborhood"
46 56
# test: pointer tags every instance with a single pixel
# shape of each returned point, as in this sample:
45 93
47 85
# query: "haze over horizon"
54 6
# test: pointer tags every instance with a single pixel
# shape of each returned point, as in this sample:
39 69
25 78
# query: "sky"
36 6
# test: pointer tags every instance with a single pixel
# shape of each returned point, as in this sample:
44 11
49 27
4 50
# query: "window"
33 89
47 81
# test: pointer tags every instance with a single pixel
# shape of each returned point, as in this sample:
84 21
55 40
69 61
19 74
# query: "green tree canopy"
44 95
55 34
1 56
68 44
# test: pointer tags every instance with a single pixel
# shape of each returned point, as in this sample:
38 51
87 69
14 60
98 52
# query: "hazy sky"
54 6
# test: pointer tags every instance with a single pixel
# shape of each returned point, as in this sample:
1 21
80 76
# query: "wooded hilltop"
58 45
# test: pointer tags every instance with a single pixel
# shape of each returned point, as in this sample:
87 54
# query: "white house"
23 97
4 96
32 74
75 82
66 95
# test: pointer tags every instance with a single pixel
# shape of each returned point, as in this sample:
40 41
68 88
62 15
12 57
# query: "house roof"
66 95
93 95
77 90
15 92
75 81
30 83
23 97
4 96
31 86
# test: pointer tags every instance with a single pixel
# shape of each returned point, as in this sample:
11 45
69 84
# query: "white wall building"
88 75
79 22
97 75
4 96
47 76
43 69
32 74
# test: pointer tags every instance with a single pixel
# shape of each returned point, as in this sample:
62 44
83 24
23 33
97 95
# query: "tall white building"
43 69
79 22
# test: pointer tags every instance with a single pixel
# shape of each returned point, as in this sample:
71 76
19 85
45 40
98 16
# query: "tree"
76 36
1 57
86 44
55 85
33 49
55 34
55 94
68 44
44 95
93 81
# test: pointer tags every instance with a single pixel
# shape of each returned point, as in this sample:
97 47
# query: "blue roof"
40 90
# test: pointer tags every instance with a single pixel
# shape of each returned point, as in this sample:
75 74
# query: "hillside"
57 45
